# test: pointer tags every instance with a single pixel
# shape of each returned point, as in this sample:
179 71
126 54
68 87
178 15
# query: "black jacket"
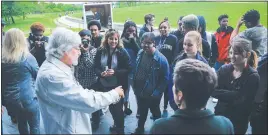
178 34
236 96
144 29
206 48
123 67
167 45
193 122
96 42
40 52
262 70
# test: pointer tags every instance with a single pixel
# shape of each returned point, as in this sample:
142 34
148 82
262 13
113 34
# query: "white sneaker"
214 100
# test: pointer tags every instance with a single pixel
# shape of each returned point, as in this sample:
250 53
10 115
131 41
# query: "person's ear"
199 29
248 54
180 95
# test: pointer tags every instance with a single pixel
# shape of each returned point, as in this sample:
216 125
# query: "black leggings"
117 111
144 105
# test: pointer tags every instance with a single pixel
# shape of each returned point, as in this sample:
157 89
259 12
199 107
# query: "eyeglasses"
147 44
77 48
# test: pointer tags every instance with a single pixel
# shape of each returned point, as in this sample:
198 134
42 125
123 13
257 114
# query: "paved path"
106 120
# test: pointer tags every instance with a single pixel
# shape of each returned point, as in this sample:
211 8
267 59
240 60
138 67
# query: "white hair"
62 40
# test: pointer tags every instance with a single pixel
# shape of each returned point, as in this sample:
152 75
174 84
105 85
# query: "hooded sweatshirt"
210 38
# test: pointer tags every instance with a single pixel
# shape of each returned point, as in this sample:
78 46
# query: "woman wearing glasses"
112 65
37 42
150 79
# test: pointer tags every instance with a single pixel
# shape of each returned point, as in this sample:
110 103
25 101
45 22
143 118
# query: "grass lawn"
46 19
77 14
210 10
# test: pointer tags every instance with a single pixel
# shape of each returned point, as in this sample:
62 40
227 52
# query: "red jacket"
222 39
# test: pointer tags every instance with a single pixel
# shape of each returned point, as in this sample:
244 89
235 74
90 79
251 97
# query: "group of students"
177 64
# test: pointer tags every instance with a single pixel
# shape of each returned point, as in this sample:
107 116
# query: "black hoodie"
236 96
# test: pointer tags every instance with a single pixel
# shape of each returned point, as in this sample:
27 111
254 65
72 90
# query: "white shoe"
214 100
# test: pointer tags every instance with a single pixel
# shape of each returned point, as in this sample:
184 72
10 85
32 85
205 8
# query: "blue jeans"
130 84
218 65
29 115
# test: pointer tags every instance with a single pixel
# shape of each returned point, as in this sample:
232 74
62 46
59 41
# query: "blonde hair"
15 46
110 33
197 37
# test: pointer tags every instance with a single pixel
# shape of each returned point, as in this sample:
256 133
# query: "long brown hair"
110 33
242 45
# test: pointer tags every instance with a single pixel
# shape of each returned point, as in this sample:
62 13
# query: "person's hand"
37 44
131 35
104 74
84 49
2 110
240 22
120 91
110 72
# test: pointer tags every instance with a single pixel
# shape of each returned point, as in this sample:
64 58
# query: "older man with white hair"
64 103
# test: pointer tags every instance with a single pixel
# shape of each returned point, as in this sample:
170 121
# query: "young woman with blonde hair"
19 69
192 46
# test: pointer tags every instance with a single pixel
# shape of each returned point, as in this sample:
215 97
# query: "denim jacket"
157 79
18 81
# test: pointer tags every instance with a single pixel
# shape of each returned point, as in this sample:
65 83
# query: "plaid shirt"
85 71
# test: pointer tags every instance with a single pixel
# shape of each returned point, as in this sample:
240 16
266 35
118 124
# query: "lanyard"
161 42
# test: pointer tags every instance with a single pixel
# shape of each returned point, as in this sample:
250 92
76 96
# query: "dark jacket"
178 34
18 83
123 65
206 48
262 70
40 52
193 122
144 29
133 47
167 45
157 79
211 41
236 96
96 42
170 92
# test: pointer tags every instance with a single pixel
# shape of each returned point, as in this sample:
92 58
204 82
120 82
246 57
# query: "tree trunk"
23 15
12 19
